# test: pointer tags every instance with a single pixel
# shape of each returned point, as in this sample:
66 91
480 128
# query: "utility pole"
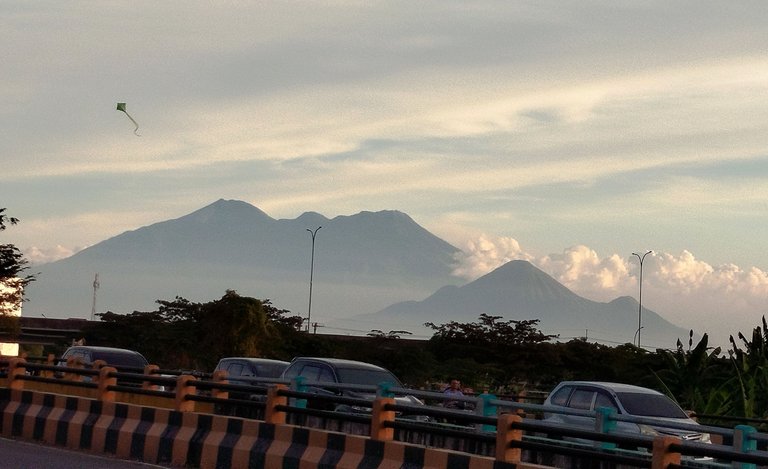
640 300
311 274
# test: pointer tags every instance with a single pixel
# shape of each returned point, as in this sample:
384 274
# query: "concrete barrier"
190 439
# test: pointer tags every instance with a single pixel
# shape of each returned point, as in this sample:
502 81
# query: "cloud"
36 255
484 254
718 300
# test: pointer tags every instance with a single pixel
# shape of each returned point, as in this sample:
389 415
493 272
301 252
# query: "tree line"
489 355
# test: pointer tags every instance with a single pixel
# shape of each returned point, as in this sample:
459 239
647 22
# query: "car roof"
615 387
256 360
341 363
112 355
96 348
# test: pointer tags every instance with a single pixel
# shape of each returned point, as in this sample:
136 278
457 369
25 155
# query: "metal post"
311 274
640 300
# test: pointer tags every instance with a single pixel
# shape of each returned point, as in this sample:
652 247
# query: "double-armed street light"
311 274
640 300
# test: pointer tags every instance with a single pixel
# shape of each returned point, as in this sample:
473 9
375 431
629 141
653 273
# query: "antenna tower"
93 305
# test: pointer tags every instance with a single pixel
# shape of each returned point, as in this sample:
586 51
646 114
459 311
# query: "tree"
12 280
485 346
751 368
490 331
379 334
185 334
690 376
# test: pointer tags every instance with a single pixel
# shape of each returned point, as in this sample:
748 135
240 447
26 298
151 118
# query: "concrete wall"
190 439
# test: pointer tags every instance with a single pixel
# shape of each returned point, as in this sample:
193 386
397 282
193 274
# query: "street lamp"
311 273
640 301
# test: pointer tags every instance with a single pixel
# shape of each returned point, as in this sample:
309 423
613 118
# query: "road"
16 454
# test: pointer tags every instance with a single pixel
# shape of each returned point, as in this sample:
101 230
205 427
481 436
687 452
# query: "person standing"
454 389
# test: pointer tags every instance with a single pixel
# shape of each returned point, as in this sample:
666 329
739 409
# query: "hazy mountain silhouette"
366 266
519 291
363 262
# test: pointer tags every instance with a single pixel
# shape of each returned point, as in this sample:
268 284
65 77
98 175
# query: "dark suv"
360 379
246 367
129 360
124 360
254 372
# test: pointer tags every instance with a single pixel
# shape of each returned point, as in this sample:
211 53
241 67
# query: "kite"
121 107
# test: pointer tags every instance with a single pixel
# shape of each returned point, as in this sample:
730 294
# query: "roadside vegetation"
487 355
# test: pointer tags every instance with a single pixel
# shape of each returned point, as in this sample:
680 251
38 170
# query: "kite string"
136 130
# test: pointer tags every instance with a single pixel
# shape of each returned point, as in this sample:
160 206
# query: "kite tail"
136 130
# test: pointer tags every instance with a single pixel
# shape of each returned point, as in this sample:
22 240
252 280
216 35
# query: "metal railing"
508 430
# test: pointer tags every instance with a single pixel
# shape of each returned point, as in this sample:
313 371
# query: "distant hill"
363 263
371 270
519 291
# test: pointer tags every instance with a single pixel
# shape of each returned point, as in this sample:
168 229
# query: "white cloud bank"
717 300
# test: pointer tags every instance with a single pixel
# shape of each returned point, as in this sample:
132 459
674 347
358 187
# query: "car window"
650 405
582 399
269 370
317 373
76 354
367 377
116 358
235 369
603 399
560 397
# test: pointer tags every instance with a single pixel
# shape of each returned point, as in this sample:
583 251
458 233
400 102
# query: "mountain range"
369 271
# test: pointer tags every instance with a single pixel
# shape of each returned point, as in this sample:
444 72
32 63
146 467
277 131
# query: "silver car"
625 399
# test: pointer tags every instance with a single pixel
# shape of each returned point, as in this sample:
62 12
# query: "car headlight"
646 430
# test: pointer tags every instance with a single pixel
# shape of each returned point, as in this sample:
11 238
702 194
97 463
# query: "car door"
581 399
315 374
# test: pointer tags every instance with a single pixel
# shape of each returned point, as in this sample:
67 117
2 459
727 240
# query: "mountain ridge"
518 290
370 269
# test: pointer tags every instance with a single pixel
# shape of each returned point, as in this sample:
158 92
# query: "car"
624 399
316 371
249 370
129 360
124 360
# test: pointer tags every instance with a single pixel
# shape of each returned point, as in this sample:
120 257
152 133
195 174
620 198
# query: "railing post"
16 368
505 435
50 361
521 399
149 371
384 389
274 399
297 384
605 423
220 377
744 442
484 408
185 385
663 456
104 381
73 362
379 418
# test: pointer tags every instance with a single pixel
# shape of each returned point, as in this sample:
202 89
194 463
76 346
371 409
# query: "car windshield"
650 405
367 377
269 370
121 359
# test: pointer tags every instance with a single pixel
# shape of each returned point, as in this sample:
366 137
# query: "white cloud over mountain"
719 300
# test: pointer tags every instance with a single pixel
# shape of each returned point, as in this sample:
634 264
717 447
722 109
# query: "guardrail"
510 431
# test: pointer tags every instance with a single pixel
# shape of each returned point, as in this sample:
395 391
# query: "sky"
571 134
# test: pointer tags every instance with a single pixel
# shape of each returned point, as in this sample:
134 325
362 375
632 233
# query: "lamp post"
311 274
640 300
